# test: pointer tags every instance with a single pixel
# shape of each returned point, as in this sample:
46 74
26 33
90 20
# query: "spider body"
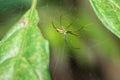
65 32
62 31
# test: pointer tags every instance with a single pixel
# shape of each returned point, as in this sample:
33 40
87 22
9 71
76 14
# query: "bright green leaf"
24 53
108 11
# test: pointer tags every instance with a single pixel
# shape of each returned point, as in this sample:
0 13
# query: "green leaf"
108 11
24 53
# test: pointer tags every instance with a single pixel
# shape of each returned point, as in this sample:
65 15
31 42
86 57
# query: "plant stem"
34 3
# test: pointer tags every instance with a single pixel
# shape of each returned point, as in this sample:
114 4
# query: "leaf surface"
108 11
24 53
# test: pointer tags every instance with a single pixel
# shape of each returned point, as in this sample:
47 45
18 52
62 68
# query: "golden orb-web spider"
65 32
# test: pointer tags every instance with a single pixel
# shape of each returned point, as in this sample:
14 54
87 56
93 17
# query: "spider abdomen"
61 31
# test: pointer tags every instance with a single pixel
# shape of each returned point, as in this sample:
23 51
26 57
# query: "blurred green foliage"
95 40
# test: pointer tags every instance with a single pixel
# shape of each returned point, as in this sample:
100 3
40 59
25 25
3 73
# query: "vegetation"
26 55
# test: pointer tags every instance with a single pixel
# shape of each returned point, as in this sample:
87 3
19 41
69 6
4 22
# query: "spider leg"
61 23
79 29
83 27
54 25
69 25
70 32
65 38
67 42
60 19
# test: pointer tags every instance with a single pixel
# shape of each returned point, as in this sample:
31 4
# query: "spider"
65 32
